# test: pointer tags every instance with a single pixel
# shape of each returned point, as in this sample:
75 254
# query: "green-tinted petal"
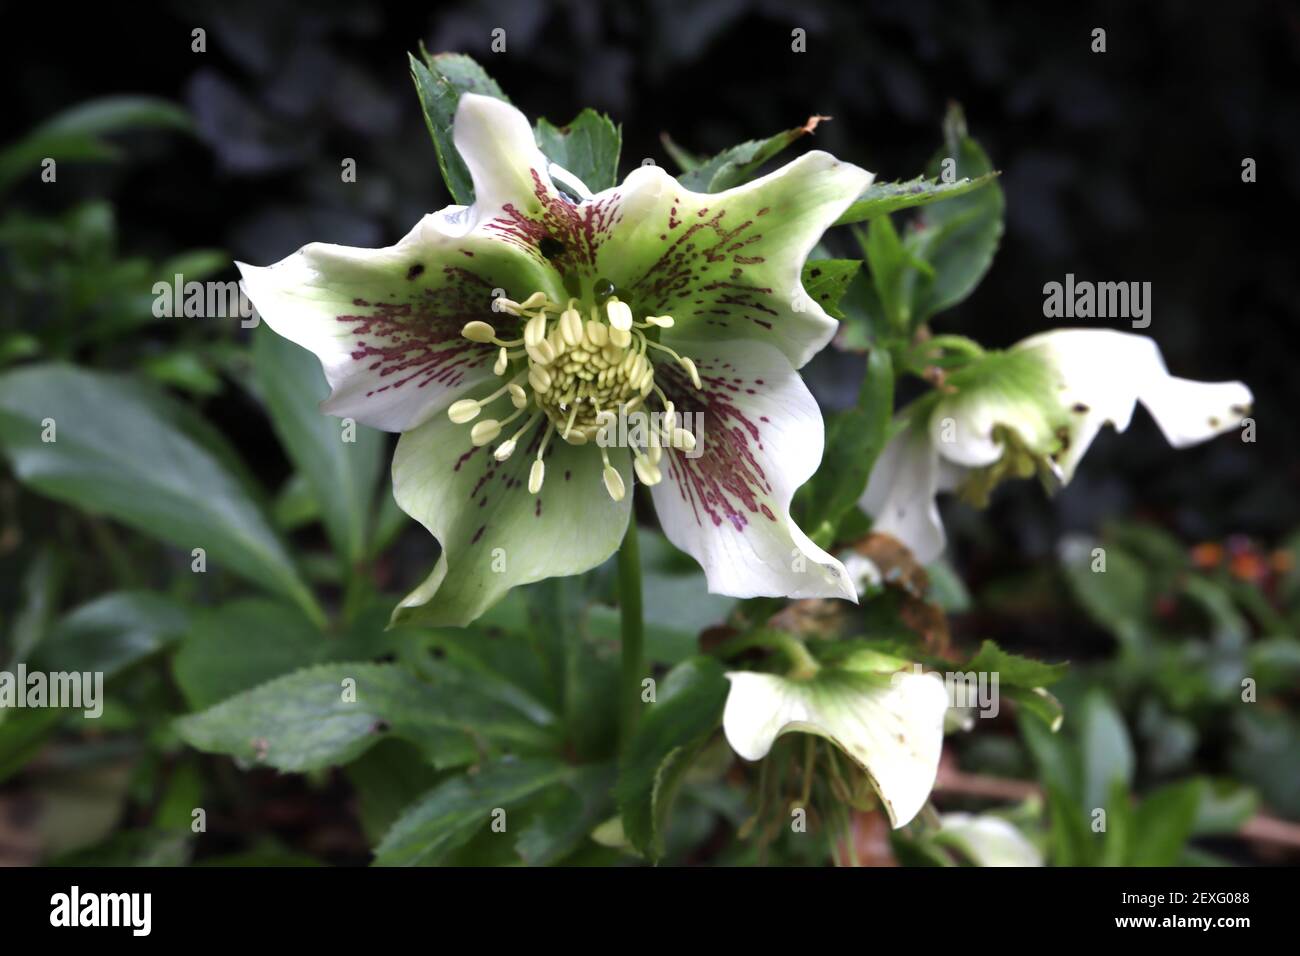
1100 374
760 437
386 323
727 265
1015 390
900 494
494 533
496 142
890 725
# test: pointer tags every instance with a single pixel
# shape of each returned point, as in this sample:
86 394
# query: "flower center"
580 368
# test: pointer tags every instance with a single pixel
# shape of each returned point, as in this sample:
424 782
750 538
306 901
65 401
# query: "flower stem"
803 665
959 344
633 628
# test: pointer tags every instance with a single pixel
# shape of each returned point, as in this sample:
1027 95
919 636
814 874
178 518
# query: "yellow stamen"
465 410
479 332
620 316
484 432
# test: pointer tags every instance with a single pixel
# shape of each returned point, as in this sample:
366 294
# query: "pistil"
581 374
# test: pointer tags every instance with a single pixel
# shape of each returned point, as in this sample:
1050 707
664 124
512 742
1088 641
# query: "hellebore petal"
1101 374
900 494
386 323
1003 390
494 534
890 725
496 142
727 503
987 840
728 265
1034 408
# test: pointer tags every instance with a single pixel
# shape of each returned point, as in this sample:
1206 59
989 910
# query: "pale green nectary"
501 338
887 719
1033 409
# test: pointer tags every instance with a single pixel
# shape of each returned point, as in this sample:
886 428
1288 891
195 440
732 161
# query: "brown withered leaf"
900 570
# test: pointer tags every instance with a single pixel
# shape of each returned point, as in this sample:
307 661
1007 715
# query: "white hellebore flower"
987 840
1033 409
499 338
887 718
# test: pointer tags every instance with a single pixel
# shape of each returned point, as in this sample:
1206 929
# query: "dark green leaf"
684 158
183 794
236 647
387 779
584 667
306 721
22 734
1055 756
112 114
565 814
737 165
1014 670
1163 824
854 440
1114 595
1115 845
825 280
455 811
1072 840
881 199
895 271
1105 747
1224 806
113 632
1266 754
118 451
41 585
75 134
965 231
669 735
1038 702
440 81
588 147
340 460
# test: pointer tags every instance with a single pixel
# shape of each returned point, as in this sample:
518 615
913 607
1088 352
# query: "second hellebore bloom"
886 718
499 338
1034 408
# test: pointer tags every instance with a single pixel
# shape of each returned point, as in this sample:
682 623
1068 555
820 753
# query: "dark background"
1117 166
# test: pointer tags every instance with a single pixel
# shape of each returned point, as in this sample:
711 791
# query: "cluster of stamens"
579 368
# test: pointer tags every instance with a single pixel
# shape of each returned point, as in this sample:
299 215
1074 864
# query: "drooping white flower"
885 717
501 337
1033 409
